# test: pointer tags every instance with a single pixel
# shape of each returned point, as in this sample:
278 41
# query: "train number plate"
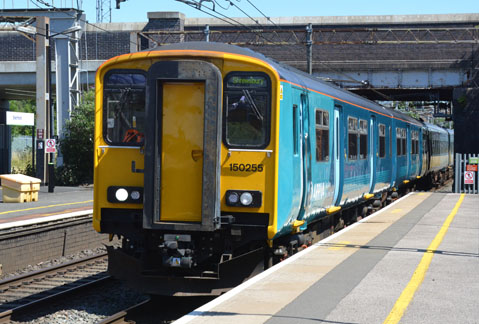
240 167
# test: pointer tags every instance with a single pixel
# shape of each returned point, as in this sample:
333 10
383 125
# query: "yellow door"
182 151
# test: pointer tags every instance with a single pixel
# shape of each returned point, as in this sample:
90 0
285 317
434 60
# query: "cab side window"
124 107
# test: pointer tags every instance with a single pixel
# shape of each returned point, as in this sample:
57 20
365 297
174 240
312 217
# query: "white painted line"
45 219
233 292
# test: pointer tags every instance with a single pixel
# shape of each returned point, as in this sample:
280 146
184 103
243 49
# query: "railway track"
20 293
121 317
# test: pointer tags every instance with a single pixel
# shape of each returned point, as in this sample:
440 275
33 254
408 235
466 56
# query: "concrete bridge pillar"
466 120
5 140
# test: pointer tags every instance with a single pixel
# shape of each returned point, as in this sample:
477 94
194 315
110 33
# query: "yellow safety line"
408 293
33 208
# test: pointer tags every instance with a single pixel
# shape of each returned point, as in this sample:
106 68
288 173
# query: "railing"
466 173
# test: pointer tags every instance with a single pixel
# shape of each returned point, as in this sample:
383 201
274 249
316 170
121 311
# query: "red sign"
469 177
471 167
50 146
40 133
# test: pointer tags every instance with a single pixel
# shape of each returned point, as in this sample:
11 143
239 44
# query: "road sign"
469 177
50 146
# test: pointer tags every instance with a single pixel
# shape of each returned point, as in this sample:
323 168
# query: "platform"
415 261
63 201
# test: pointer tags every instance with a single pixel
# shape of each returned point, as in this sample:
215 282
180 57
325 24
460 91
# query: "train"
213 162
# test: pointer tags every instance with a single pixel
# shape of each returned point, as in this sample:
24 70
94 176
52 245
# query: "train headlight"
135 195
121 194
232 198
246 198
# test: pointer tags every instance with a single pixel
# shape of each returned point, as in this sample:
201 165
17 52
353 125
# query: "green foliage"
28 170
27 106
77 144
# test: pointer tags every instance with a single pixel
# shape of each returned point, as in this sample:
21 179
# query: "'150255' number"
246 167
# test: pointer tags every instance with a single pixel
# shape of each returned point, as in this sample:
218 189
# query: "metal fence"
466 173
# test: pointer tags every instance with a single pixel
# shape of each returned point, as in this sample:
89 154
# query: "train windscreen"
247 110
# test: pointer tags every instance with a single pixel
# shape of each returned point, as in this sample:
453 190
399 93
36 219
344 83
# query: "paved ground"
63 199
415 262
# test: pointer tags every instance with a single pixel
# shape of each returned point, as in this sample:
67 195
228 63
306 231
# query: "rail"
22 292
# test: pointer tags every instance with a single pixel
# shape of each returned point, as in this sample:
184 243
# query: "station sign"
20 119
469 177
474 160
50 146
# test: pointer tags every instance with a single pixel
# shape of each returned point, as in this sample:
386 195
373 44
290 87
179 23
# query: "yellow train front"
166 157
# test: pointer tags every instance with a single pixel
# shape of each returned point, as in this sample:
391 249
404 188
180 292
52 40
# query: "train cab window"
352 138
382 140
124 107
322 135
246 109
363 139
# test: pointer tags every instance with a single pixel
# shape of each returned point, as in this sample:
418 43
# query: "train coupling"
175 251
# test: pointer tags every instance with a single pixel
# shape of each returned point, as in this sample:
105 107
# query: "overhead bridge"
431 58
415 57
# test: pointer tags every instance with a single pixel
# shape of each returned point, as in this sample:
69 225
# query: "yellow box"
19 188
14 196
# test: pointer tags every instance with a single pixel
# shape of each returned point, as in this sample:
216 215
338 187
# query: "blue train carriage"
408 148
440 154
337 149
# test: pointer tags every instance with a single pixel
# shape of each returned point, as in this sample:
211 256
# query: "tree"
77 144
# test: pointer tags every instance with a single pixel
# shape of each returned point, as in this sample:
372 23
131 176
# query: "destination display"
250 81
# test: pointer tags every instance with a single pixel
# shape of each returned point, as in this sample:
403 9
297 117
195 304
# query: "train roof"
294 76
435 128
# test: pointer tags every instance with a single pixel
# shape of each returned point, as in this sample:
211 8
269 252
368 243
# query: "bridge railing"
466 173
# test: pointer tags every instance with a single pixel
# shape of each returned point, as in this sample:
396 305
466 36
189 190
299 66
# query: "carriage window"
322 135
414 142
382 140
352 138
124 107
363 139
295 129
390 142
404 142
246 108
398 141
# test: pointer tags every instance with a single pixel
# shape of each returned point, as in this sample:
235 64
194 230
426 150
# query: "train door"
409 157
337 154
306 150
182 153
182 133
373 154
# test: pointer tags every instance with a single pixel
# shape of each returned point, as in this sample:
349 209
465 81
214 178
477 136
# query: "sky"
136 10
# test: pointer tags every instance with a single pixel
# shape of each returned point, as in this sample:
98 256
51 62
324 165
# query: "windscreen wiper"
253 105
